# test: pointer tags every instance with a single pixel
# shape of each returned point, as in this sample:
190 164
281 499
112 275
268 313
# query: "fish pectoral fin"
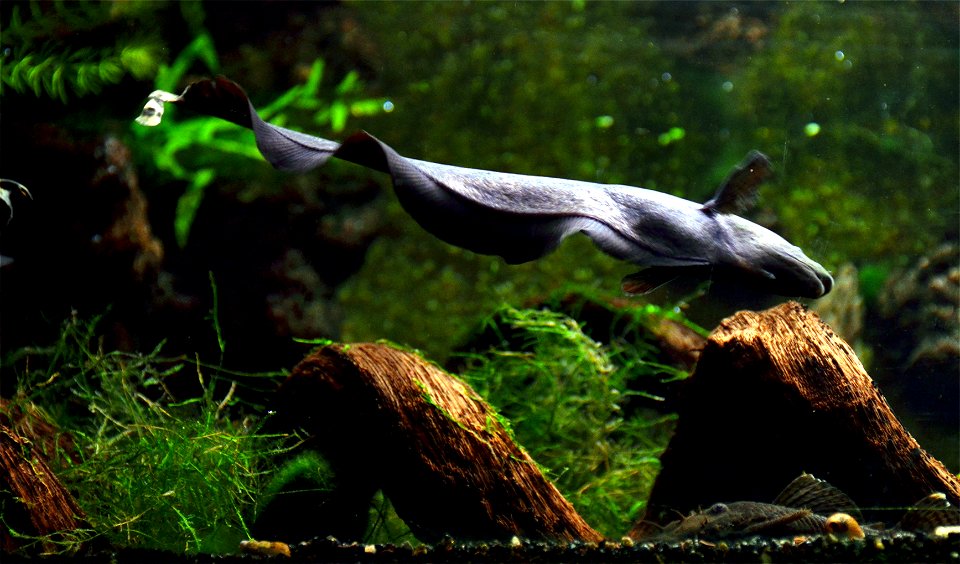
777 521
738 192
650 279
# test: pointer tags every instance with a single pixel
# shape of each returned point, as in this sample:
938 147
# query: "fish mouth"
819 280
797 276
826 281
809 281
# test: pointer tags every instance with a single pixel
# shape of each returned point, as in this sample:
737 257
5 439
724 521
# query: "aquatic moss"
148 469
876 180
564 395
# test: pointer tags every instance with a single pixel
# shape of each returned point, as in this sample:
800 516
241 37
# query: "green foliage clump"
36 57
564 395
148 470
876 177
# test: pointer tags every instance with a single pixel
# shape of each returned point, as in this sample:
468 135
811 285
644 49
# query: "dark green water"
182 234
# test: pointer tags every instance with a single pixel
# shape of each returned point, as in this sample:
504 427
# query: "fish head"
773 263
721 520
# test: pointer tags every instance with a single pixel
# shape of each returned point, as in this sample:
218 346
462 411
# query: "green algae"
878 182
565 395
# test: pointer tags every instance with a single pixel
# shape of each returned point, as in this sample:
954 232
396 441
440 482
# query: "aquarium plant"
194 149
116 40
564 395
149 467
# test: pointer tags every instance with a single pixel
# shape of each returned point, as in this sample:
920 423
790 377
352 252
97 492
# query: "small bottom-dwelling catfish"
522 218
807 506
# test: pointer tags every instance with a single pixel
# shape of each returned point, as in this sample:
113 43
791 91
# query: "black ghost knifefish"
522 218
807 506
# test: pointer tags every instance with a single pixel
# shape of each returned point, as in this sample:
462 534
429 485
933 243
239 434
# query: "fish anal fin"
738 192
649 279
809 492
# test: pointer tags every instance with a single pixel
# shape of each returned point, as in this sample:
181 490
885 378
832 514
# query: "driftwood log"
39 505
775 394
435 448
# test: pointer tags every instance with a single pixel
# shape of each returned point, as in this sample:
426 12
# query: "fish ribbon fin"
809 492
218 97
738 192
929 513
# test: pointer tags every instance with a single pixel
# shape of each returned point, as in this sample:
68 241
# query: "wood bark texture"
39 505
775 394
437 450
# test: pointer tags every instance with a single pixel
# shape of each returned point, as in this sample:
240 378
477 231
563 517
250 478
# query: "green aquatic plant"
386 527
36 58
150 469
564 395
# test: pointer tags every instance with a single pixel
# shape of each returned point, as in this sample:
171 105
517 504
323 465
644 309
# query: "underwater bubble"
388 106
727 86
811 129
838 55
666 77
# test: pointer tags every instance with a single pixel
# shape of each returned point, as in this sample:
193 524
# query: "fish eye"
717 509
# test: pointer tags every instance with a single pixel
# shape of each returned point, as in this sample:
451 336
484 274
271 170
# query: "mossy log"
604 319
39 505
438 452
775 394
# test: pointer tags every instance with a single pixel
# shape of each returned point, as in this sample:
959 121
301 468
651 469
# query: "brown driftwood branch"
439 452
40 506
775 394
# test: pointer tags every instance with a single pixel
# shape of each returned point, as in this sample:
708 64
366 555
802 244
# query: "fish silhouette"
522 218
807 506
